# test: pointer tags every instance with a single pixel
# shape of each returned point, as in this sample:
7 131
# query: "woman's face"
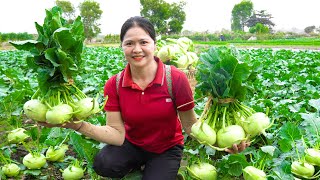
138 47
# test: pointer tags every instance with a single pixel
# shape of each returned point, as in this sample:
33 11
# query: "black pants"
118 161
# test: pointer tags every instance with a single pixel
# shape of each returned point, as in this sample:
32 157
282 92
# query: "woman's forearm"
105 134
188 118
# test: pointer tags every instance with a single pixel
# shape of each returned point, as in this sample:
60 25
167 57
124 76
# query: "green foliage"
233 164
15 36
90 12
222 73
260 17
287 81
285 38
111 38
259 29
67 9
178 16
56 54
17 84
85 148
167 18
294 105
240 14
309 29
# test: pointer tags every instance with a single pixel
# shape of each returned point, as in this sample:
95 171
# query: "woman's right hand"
236 148
75 124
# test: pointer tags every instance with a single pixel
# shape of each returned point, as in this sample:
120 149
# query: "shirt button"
142 93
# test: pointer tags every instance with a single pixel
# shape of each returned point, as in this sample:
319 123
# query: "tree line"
168 18
4 37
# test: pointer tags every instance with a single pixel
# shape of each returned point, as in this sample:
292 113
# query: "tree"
90 12
260 17
178 16
167 18
240 14
309 29
68 11
259 29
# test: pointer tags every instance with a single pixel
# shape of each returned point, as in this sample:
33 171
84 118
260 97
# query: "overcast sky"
201 15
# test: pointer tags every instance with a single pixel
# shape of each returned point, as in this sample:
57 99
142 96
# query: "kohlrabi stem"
224 118
78 97
316 175
35 94
26 147
48 104
93 103
192 173
3 158
262 163
82 95
38 137
104 103
248 111
215 117
296 149
59 99
267 111
64 139
65 97
205 109
216 148
315 127
208 118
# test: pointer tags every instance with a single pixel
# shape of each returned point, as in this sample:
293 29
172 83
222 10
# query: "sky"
201 15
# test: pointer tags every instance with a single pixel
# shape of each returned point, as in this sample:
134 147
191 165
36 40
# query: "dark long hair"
141 22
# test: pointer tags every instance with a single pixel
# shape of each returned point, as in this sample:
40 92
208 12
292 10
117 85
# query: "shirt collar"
159 78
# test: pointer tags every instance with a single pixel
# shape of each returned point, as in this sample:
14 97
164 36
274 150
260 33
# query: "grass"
303 43
278 42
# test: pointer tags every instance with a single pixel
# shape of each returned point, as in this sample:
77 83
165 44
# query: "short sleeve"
110 90
181 90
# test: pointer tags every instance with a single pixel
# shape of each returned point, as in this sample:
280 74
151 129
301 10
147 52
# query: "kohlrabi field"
283 84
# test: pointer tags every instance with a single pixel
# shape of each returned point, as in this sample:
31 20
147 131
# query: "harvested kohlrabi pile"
178 52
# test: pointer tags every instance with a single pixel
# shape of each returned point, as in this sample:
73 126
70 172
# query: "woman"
142 112
143 123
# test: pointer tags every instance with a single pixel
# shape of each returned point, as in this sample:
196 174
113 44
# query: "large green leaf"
85 148
233 164
222 73
64 38
50 54
41 36
290 132
35 47
56 55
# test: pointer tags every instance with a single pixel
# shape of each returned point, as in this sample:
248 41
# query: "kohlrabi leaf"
34 47
290 132
56 54
85 148
233 164
315 103
222 73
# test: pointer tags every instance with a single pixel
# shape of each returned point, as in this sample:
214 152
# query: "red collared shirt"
150 117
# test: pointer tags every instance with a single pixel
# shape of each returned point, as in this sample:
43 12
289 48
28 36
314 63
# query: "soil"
50 172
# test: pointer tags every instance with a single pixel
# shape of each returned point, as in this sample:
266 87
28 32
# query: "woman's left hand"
236 148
